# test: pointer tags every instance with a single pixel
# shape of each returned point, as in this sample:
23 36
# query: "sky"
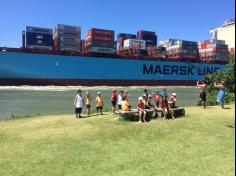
181 19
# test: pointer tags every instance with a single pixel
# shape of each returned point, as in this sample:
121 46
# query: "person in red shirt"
166 108
113 101
142 112
157 98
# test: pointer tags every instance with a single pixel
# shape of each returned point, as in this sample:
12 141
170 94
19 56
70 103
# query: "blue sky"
183 19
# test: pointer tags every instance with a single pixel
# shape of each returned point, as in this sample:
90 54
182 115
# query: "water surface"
52 100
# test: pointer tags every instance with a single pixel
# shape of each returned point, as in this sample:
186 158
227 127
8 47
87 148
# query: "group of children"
161 104
80 101
122 100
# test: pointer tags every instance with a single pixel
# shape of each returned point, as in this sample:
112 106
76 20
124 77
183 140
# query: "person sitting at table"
142 112
166 108
149 105
125 106
172 102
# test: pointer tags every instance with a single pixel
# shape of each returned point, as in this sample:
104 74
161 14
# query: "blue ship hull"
18 68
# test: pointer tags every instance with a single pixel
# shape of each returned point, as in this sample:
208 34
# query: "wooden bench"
133 114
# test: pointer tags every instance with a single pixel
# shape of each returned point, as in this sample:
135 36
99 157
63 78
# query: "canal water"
52 100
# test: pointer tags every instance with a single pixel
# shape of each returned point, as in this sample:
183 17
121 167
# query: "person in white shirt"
78 103
120 98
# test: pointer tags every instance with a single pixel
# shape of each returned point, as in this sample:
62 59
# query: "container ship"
60 57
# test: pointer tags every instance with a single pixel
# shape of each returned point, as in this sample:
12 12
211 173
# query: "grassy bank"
199 144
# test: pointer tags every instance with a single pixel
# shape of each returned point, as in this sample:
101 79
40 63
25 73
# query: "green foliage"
228 76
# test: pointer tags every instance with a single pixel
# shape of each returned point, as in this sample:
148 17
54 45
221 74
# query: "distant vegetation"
228 76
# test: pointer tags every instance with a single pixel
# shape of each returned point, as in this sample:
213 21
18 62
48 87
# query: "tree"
228 76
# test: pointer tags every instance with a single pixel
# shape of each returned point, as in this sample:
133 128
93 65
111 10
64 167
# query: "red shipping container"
100 38
90 33
203 46
101 32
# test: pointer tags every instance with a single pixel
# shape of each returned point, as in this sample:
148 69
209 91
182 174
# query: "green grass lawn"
200 144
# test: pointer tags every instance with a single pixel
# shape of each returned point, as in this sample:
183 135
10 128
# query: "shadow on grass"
226 108
93 115
230 126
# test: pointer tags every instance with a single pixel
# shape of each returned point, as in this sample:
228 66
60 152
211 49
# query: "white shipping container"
174 47
135 42
206 50
166 45
168 41
217 45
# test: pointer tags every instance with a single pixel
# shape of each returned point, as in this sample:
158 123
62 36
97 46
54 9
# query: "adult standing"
221 93
203 87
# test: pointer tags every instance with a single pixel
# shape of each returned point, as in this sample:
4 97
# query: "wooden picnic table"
133 114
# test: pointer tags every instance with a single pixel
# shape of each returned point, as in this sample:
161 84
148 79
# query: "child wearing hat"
99 103
171 102
173 99
142 112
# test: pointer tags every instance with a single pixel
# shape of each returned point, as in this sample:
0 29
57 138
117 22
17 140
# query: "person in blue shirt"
221 93
164 93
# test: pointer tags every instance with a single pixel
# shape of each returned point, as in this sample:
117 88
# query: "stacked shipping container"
67 38
149 37
121 37
99 41
177 49
213 50
140 44
37 38
156 52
